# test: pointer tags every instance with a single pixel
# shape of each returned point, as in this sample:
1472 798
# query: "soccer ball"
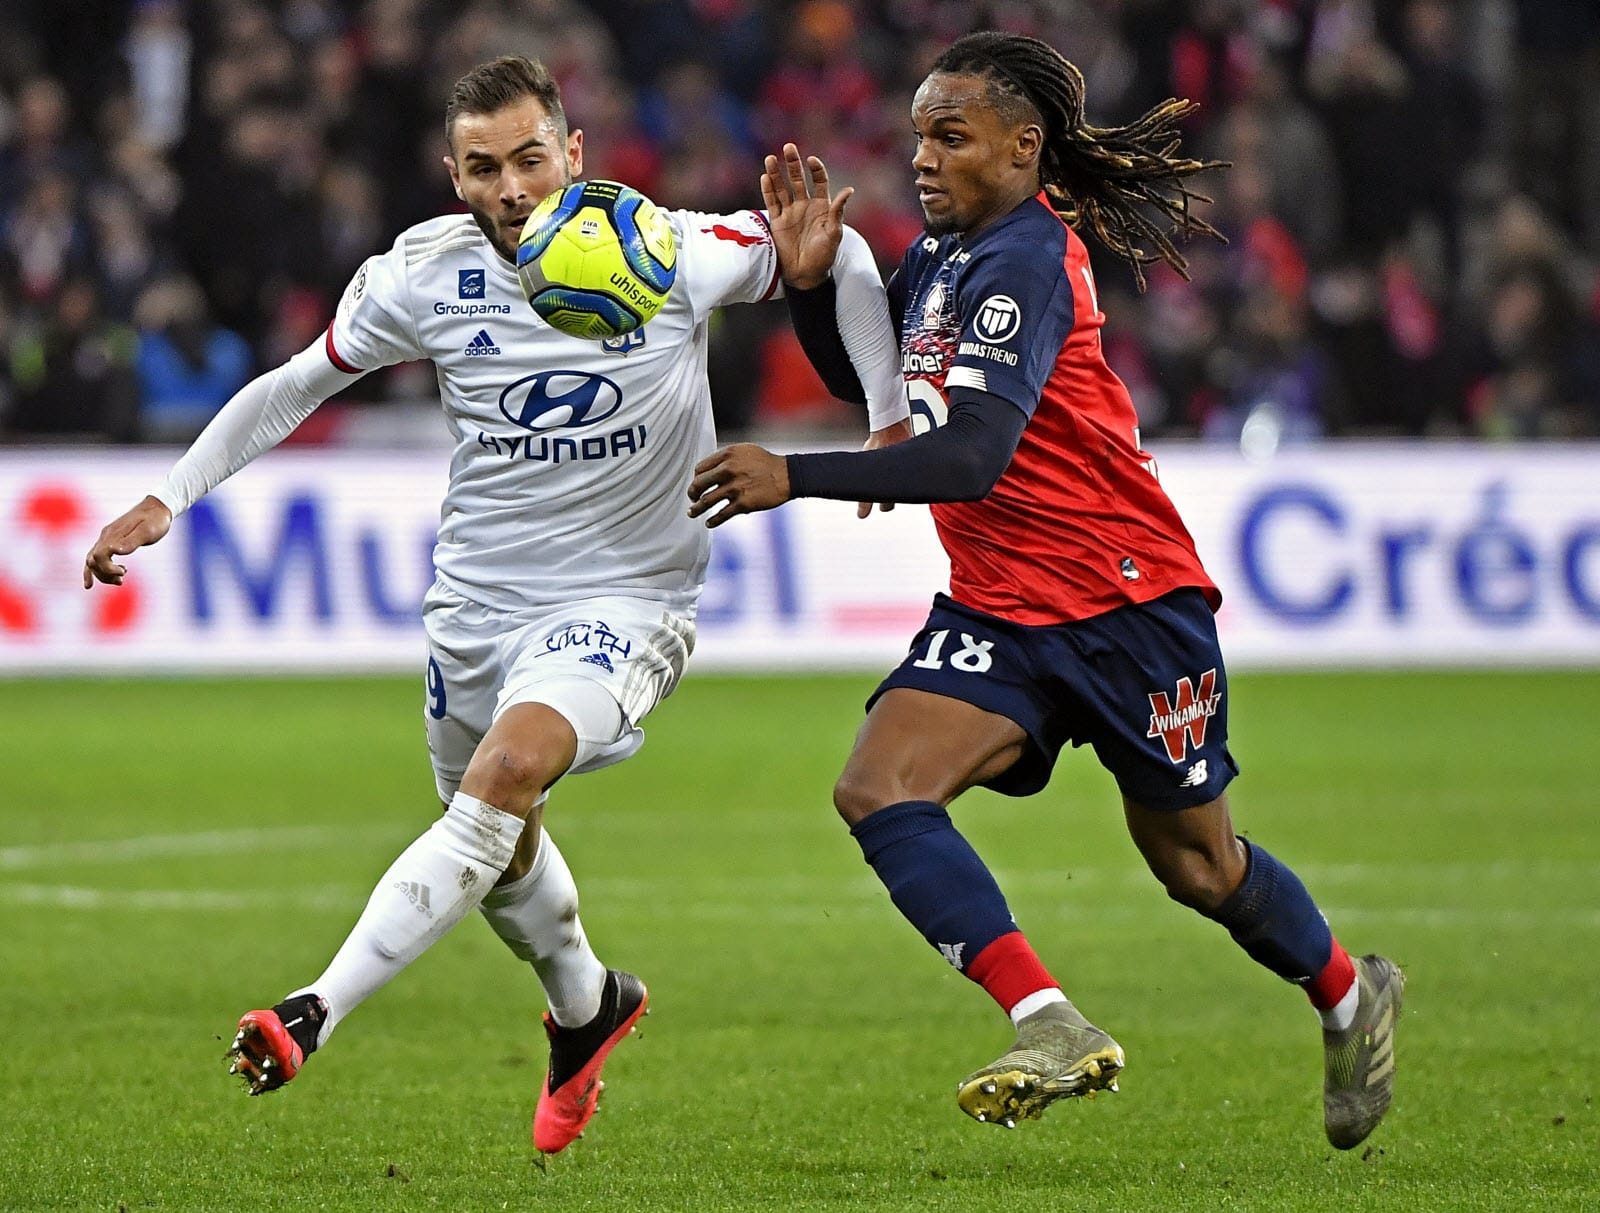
597 259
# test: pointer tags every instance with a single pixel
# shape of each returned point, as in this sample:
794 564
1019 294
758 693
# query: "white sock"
425 892
537 916
1342 1014
1038 1000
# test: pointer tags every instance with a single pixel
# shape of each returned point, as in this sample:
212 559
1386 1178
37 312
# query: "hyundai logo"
553 400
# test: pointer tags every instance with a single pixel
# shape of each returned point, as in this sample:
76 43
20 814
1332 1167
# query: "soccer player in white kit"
567 569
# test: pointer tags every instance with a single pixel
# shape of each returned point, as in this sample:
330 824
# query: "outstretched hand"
144 524
807 221
742 478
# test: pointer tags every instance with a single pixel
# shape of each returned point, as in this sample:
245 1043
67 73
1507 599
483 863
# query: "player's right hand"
144 524
741 478
805 217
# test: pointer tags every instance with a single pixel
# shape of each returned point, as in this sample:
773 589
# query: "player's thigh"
1150 693
462 680
967 706
603 665
917 745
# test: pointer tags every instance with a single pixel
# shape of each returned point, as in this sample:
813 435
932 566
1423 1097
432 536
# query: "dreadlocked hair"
1109 178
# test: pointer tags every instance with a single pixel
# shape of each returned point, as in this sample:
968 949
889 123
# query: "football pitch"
174 853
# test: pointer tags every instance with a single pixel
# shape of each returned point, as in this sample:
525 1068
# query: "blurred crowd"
1413 207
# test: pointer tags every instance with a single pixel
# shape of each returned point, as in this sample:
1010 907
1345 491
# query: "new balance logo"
481 345
417 893
1195 776
601 660
952 953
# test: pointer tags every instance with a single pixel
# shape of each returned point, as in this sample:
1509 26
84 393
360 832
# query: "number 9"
435 690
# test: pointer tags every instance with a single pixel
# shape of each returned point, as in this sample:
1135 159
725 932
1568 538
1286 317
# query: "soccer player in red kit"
1078 610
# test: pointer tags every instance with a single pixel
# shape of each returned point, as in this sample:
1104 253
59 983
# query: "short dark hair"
1110 178
490 87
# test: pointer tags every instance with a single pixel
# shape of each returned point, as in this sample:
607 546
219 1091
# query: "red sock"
1009 970
1334 982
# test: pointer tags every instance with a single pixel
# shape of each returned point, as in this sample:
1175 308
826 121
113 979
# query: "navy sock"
935 878
1272 917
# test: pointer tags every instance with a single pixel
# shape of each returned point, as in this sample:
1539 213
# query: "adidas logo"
481 345
418 893
601 660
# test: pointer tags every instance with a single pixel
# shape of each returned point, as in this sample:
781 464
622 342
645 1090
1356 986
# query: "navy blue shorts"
1144 685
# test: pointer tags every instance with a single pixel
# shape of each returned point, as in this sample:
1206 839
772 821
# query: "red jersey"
1078 524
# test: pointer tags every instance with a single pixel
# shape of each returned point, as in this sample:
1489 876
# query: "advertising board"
316 560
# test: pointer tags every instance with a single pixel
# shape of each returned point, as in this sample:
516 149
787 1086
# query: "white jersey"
572 456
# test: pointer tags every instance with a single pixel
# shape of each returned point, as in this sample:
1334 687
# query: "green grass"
805 1045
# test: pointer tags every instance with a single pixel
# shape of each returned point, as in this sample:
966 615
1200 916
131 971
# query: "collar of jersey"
499 264
1006 220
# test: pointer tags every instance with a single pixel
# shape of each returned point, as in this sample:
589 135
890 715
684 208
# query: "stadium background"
1375 406
1414 208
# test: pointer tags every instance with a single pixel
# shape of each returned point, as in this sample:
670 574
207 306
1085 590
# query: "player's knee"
508 777
858 794
1196 879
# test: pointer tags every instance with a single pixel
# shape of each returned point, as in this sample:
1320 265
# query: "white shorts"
603 663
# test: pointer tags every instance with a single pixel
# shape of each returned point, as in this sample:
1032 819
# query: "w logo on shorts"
1182 723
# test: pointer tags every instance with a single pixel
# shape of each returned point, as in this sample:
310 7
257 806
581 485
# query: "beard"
940 227
494 233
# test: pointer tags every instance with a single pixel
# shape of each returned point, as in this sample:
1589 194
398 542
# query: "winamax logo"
51 526
1181 722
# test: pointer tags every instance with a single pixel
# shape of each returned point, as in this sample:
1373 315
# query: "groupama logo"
52 526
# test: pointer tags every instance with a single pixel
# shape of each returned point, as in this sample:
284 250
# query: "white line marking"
75 897
154 846
790 898
841 907
1477 920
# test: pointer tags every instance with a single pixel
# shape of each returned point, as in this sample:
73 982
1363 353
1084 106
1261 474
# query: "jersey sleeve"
724 259
374 325
1016 310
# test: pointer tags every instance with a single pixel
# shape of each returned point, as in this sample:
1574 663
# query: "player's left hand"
807 221
742 478
887 436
